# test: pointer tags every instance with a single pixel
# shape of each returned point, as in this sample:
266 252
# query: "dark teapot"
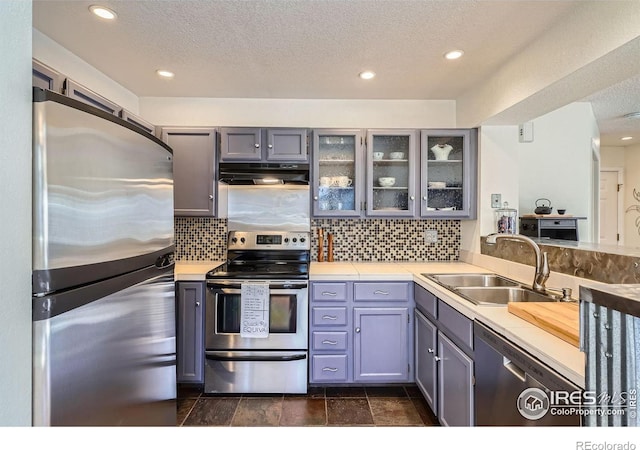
541 208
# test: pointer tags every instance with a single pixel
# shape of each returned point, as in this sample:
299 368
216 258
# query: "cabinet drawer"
329 368
329 316
330 292
329 340
381 291
458 327
426 302
557 223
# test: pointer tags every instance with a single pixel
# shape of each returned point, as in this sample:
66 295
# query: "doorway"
611 207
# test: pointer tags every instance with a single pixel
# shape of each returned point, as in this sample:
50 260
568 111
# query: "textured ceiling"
300 48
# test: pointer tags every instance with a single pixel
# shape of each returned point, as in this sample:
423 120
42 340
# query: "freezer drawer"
106 353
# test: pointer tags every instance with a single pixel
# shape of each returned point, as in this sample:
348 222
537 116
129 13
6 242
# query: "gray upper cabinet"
338 176
138 121
45 77
260 144
448 167
194 175
81 93
391 169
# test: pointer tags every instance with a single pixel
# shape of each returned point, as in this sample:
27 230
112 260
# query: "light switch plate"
496 200
431 236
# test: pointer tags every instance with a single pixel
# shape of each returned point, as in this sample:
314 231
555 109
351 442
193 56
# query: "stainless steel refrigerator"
104 343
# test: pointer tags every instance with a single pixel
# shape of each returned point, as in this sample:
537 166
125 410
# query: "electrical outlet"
496 200
431 236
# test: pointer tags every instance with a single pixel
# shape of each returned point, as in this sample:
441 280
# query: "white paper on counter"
254 310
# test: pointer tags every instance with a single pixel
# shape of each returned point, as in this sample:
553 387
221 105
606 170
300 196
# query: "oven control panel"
269 240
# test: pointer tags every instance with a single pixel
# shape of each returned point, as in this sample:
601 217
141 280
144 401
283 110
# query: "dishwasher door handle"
515 370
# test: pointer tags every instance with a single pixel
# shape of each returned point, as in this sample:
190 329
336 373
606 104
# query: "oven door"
288 317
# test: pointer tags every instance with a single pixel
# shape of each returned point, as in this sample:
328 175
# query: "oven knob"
286 240
242 240
234 240
295 240
302 239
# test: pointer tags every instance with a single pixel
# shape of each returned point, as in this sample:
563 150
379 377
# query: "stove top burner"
270 271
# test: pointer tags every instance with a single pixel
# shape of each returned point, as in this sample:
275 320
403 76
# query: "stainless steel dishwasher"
513 388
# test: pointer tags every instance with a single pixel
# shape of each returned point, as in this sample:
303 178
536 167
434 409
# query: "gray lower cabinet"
443 359
263 144
190 332
381 345
360 332
194 170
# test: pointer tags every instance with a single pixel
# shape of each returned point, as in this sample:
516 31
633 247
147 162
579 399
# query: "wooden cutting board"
558 318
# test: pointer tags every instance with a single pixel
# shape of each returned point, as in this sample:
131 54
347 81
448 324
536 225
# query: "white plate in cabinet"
329 340
331 316
329 368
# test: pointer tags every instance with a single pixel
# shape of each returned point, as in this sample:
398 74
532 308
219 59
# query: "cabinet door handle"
377 292
437 358
557 222
332 294
210 197
257 145
270 145
315 197
424 198
329 369
326 317
197 303
327 341
412 197
357 329
430 350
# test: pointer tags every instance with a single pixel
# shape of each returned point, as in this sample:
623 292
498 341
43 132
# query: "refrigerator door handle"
218 357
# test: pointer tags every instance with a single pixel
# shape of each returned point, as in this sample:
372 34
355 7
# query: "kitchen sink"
501 295
457 280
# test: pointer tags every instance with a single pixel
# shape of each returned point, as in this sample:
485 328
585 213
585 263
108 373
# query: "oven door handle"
224 286
218 357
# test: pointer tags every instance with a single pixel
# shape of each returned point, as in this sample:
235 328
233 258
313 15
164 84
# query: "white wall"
632 181
15 228
612 157
59 58
299 113
557 164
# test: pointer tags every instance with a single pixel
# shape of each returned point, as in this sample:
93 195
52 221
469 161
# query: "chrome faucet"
542 260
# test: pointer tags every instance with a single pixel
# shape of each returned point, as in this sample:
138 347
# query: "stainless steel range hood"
264 173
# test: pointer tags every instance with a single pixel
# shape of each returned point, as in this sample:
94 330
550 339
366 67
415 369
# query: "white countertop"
193 270
566 359
558 354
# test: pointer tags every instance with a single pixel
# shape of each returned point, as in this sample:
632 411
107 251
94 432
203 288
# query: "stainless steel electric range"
277 362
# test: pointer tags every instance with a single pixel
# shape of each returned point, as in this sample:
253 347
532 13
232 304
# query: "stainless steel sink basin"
457 280
501 295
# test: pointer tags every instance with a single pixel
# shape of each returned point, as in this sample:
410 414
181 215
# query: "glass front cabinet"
390 157
448 165
338 177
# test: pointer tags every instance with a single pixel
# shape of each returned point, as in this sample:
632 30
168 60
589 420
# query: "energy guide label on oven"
254 310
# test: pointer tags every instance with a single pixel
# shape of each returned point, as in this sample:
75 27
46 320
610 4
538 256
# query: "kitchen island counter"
563 357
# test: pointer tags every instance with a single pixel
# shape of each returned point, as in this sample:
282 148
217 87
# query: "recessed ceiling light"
626 138
165 73
454 54
102 12
632 115
367 75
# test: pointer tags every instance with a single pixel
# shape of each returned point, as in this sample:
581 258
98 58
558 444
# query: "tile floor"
321 406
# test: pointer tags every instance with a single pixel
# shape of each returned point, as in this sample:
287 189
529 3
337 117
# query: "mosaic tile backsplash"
205 238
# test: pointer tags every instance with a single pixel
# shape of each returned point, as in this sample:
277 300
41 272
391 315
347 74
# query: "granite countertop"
566 359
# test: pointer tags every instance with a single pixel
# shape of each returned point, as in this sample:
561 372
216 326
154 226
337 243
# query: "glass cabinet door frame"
412 164
358 173
469 175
